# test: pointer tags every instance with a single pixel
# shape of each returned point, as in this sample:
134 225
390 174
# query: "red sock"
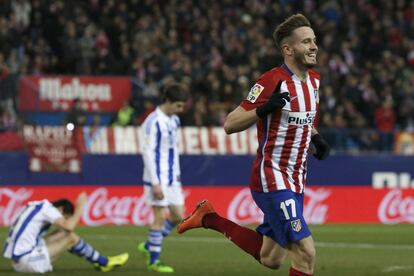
248 240
294 272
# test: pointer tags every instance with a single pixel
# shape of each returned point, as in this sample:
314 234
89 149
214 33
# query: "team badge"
255 93
296 225
316 92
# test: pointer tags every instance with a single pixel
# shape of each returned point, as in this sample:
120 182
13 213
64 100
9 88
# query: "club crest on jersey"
316 92
296 225
255 93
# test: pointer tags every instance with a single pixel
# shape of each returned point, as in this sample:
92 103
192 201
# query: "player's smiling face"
304 46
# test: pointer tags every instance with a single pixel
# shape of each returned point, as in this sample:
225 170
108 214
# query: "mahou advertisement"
125 204
56 93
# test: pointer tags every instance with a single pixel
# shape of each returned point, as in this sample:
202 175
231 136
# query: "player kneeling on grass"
31 249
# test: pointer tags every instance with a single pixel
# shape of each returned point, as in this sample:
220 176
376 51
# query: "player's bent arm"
65 224
70 223
239 120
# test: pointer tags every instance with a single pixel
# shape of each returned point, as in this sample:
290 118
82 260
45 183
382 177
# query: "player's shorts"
37 261
173 196
283 216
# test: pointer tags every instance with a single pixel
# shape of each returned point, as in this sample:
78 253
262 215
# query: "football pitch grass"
341 250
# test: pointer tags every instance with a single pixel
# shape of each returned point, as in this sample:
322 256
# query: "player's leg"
284 213
302 254
174 217
205 216
272 255
62 241
58 242
151 248
175 198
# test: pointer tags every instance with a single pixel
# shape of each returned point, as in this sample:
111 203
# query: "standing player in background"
283 104
30 250
162 176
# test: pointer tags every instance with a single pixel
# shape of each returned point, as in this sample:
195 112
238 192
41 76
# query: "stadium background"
78 77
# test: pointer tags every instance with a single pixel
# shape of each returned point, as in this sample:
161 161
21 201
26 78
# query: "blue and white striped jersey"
159 147
29 227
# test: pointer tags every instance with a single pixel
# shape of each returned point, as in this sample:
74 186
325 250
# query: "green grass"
341 250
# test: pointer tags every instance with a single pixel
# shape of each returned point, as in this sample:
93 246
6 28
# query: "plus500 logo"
392 180
301 118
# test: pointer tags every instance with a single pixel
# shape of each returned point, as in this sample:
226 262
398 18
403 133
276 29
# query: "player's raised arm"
69 224
240 119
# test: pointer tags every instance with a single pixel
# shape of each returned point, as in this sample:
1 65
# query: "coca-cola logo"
101 209
243 210
315 211
11 203
395 208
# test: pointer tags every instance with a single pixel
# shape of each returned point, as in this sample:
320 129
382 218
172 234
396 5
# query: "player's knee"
271 263
308 256
73 238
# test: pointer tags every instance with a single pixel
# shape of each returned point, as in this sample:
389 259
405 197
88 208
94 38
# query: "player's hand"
81 200
157 192
276 101
322 149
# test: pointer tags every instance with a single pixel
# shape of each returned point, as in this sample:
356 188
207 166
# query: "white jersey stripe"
262 172
311 94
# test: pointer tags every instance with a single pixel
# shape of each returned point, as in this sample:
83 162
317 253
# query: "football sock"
167 228
86 251
248 240
294 272
153 244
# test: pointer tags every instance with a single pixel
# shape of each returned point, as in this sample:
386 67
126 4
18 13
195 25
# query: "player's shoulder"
152 122
314 74
275 74
176 119
152 118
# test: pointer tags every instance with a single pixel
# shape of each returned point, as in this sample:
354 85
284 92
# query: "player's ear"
286 49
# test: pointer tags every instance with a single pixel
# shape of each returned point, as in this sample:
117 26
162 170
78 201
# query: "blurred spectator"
148 108
366 48
76 116
125 115
385 121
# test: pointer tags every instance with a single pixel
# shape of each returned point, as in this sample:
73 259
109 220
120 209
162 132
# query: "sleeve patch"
255 93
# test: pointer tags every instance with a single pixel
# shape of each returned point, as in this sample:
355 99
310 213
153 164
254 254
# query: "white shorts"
37 261
173 195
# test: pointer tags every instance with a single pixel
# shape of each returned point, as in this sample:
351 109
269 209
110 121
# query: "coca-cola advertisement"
57 93
126 205
52 149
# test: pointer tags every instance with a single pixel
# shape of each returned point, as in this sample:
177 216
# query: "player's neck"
301 73
165 110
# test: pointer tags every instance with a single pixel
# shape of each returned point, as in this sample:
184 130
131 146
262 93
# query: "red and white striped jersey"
283 136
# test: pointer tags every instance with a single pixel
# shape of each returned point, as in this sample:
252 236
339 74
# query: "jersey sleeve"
260 92
150 147
51 213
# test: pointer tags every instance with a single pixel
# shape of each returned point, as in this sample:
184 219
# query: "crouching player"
31 249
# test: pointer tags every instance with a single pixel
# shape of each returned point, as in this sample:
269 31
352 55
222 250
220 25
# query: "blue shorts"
283 216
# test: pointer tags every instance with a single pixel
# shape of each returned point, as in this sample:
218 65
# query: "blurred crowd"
219 48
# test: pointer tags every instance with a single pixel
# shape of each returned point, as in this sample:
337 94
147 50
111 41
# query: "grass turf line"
342 250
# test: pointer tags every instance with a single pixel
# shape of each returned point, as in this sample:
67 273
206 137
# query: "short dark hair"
286 28
67 206
174 92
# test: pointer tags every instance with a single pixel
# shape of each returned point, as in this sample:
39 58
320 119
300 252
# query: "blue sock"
86 251
154 244
167 228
